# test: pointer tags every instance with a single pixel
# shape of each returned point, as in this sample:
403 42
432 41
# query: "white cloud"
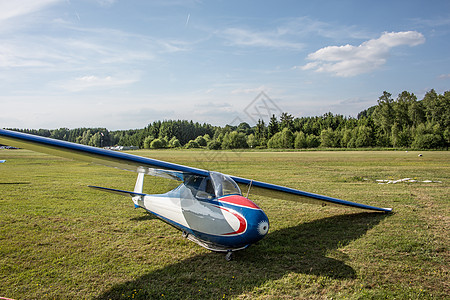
14 55
349 60
91 51
436 21
243 37
91 81
308 27
106 3
16 8
288 33
255 91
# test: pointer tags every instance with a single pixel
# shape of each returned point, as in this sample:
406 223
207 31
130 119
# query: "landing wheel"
229 256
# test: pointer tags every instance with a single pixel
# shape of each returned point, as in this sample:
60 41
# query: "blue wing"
156 167
282 192
99 156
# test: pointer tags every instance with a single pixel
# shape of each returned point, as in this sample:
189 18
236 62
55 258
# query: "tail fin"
139 183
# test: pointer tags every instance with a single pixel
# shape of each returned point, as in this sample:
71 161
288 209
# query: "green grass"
62 240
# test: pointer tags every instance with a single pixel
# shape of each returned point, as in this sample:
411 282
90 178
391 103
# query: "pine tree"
273 127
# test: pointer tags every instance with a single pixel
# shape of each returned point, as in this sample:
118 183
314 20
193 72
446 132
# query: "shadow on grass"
146 217
15 182
301 249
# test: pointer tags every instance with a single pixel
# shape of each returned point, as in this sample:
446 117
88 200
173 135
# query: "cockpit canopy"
214 186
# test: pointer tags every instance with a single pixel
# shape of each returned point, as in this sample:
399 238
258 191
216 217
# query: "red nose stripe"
242 222
239 200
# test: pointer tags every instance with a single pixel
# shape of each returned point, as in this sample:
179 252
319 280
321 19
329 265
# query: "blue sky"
123 64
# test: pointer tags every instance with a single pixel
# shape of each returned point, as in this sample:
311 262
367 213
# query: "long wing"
282 192
159 168
99 156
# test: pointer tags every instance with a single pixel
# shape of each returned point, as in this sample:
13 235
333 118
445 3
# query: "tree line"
404 122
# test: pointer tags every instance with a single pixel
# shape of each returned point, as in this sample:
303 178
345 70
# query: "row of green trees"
404 122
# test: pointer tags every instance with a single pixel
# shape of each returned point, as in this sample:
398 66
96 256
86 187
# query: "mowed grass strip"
60 239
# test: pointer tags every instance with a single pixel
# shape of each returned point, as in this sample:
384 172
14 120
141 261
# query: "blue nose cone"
258 224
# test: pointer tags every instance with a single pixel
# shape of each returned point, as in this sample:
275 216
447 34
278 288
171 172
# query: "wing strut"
249 187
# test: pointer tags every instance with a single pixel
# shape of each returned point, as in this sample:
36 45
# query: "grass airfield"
61 240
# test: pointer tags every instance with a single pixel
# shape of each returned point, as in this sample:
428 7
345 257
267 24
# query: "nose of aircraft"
259 223
263 227
259 226
256 220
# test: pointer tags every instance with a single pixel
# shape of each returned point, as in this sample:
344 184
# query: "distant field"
60 239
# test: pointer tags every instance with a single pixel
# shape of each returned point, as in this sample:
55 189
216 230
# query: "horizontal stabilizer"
115 191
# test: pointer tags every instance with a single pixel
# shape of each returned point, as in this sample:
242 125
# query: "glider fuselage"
210 210
226 223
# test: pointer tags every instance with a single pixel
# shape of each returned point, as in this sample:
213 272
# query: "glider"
2 161
207 207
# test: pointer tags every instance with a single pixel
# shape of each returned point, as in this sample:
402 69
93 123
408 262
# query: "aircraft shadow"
15 182
146 217
302 249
